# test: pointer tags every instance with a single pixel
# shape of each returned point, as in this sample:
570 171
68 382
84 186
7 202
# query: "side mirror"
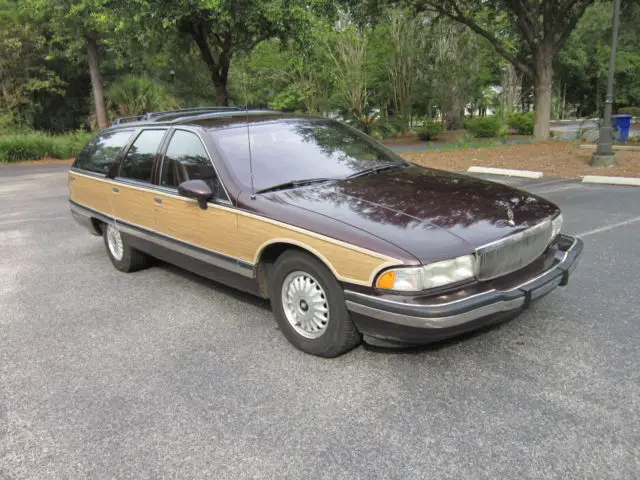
197 189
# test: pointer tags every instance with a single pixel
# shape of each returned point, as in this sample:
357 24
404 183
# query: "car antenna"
246 109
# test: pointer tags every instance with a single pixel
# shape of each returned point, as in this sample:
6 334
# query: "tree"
582 65
543 26
78 24
348 53
457 74
24 71
407 41
223 28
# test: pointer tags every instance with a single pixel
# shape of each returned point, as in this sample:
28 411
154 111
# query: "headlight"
556 226
416 279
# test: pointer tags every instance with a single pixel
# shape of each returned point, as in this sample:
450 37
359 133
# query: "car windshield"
298 150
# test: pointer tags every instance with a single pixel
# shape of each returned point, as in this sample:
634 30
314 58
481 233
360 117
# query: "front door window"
186 159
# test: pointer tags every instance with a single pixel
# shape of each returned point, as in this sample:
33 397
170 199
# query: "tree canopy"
383 65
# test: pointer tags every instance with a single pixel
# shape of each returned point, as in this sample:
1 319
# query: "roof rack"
159 115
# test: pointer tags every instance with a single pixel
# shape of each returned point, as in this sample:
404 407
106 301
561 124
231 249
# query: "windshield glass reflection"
297 150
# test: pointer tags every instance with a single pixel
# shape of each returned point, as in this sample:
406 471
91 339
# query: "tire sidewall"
122 264
338 314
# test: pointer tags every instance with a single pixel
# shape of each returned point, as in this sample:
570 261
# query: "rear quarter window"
101 152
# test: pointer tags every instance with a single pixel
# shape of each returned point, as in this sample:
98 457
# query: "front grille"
513 252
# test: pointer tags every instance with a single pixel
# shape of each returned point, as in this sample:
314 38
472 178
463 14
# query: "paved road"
161 374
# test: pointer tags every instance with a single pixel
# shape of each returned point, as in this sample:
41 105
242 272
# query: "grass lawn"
40 147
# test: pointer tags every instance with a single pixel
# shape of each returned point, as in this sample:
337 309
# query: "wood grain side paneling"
91 192
214 228
134 205
221 229
348 263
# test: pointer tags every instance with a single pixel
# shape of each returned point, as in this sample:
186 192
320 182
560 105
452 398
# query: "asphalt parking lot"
161 374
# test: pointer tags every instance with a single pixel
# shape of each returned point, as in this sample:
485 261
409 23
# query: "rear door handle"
158 200
115 190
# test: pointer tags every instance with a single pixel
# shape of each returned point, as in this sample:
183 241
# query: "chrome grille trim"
513 252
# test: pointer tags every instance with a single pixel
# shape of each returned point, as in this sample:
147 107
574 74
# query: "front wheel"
309 306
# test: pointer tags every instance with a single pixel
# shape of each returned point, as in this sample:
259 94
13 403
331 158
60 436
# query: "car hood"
429 213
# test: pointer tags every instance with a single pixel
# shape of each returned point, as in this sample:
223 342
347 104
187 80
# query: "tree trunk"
542 86
221 91
96 82
218 69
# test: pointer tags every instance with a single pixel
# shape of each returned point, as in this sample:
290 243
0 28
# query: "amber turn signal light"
386 280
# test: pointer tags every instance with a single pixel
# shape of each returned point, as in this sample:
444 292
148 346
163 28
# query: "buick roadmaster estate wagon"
347 240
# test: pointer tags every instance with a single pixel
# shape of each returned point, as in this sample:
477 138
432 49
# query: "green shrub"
484 127
465 140
134 95
522 123
635 111
36 146
430 130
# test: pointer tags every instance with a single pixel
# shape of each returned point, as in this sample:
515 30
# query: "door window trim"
116 160
132 140
162 155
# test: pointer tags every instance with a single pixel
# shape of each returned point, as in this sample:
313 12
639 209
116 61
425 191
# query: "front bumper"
411 321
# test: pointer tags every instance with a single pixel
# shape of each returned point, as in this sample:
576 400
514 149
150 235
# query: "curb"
506 171
634 182
630 148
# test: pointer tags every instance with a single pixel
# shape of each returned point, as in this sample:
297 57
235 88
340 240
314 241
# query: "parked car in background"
345 238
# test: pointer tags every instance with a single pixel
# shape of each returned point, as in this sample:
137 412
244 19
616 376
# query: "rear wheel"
309 306
123 257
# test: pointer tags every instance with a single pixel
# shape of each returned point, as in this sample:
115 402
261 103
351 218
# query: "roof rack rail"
159 115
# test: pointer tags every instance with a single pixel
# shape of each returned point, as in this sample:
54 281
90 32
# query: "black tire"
132 260
340 335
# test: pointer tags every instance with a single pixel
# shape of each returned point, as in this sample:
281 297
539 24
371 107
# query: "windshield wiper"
294 184
380 168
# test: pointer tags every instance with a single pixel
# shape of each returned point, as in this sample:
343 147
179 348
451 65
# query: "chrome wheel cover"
114 241
305 304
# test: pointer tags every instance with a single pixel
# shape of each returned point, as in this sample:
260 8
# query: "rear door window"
138 162
101 152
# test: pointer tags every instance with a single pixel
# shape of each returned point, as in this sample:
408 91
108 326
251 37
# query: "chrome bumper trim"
439 322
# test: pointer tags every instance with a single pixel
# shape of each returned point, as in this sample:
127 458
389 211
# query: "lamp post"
604 155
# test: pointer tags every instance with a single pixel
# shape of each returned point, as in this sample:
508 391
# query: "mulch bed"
554 158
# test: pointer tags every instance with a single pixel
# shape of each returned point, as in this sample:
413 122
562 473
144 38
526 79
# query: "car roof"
209 119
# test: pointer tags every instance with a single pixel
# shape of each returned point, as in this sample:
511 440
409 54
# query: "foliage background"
384 69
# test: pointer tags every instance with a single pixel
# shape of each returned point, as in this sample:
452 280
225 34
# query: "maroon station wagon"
347 240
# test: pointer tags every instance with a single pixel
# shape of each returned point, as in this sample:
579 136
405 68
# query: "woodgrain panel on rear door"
134 205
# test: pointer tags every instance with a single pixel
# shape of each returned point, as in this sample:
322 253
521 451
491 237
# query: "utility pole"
604 155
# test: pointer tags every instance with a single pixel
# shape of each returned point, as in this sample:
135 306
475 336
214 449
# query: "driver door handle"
158 200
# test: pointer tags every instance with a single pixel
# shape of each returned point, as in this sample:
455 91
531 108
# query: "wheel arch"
269 252
97 225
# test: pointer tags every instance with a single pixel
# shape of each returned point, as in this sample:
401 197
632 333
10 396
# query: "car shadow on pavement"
219 287
442 344
264 304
